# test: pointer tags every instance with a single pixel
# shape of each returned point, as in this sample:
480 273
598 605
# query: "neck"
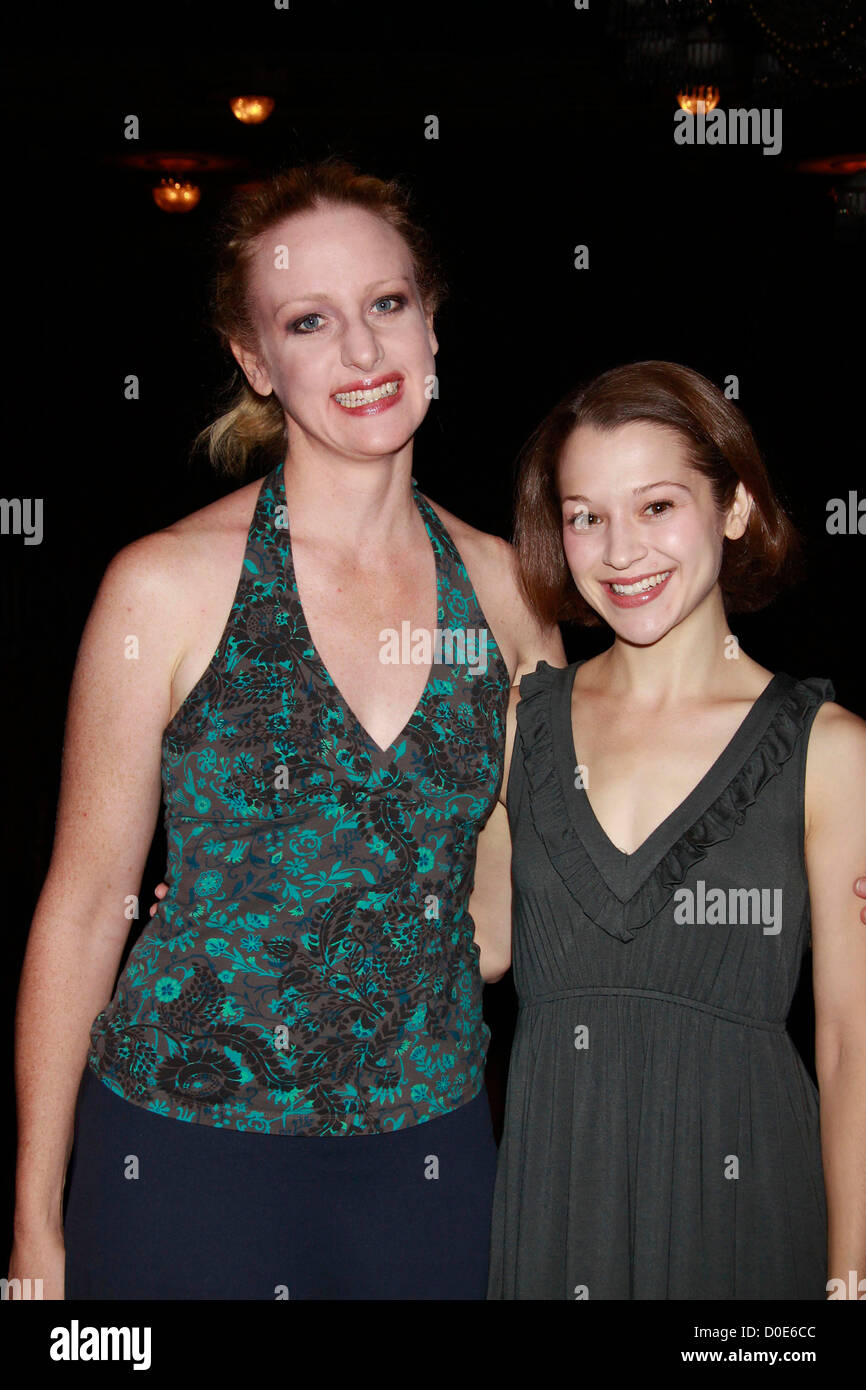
361 506
688 662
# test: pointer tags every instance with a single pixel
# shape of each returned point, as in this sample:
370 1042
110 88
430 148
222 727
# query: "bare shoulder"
491 564
837 734
188 557
483 550
215 530
836 763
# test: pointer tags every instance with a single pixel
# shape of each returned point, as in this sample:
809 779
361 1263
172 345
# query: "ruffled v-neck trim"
537 715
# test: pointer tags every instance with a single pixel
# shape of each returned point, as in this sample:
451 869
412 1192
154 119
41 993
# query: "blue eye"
398 299
296 326
308 323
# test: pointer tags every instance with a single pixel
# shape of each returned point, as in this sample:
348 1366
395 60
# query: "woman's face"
343 339
642 534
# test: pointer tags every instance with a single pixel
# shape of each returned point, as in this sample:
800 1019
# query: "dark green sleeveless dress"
661 1135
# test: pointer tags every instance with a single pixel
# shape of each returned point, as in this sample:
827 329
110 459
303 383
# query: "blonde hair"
252 423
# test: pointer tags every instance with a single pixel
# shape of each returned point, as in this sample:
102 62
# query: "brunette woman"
683 822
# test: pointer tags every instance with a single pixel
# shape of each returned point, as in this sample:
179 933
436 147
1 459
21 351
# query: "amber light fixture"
175 191
694 99
252 110
170 195
835 164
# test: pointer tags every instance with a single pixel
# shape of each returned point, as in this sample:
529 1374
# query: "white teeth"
643 584
352 399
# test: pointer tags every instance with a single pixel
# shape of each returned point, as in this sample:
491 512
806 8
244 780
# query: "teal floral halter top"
312 969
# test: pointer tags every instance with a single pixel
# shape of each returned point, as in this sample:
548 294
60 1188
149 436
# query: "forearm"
67 978
492 937
843 1146
490 900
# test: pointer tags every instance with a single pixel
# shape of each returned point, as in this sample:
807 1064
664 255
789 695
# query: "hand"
162 888
39 1256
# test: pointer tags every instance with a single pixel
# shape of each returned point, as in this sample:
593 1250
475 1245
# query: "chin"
644 638
382 446
642 629
382 436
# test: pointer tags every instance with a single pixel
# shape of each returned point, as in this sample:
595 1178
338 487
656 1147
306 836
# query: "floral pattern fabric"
312 969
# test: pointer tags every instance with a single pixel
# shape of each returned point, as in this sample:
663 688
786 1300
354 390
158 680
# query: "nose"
624 544
360 347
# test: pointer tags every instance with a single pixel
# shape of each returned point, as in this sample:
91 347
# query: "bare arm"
545 645
109 799
534 640
490 904
835 848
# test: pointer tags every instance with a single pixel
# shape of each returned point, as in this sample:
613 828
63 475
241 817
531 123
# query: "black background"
551 135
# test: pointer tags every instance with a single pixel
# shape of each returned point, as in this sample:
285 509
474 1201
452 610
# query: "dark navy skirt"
158 1208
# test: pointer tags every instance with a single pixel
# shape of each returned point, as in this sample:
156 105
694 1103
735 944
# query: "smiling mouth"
351 400
640 586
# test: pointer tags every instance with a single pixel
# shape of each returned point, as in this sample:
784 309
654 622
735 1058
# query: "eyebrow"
636 491
318 296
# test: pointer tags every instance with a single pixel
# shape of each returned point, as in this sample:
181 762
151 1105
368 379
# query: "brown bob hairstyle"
719 444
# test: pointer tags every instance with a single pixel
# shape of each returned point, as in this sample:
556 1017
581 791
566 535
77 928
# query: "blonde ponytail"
252 425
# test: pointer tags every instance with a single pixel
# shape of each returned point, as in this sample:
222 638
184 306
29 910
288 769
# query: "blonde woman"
294 1052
